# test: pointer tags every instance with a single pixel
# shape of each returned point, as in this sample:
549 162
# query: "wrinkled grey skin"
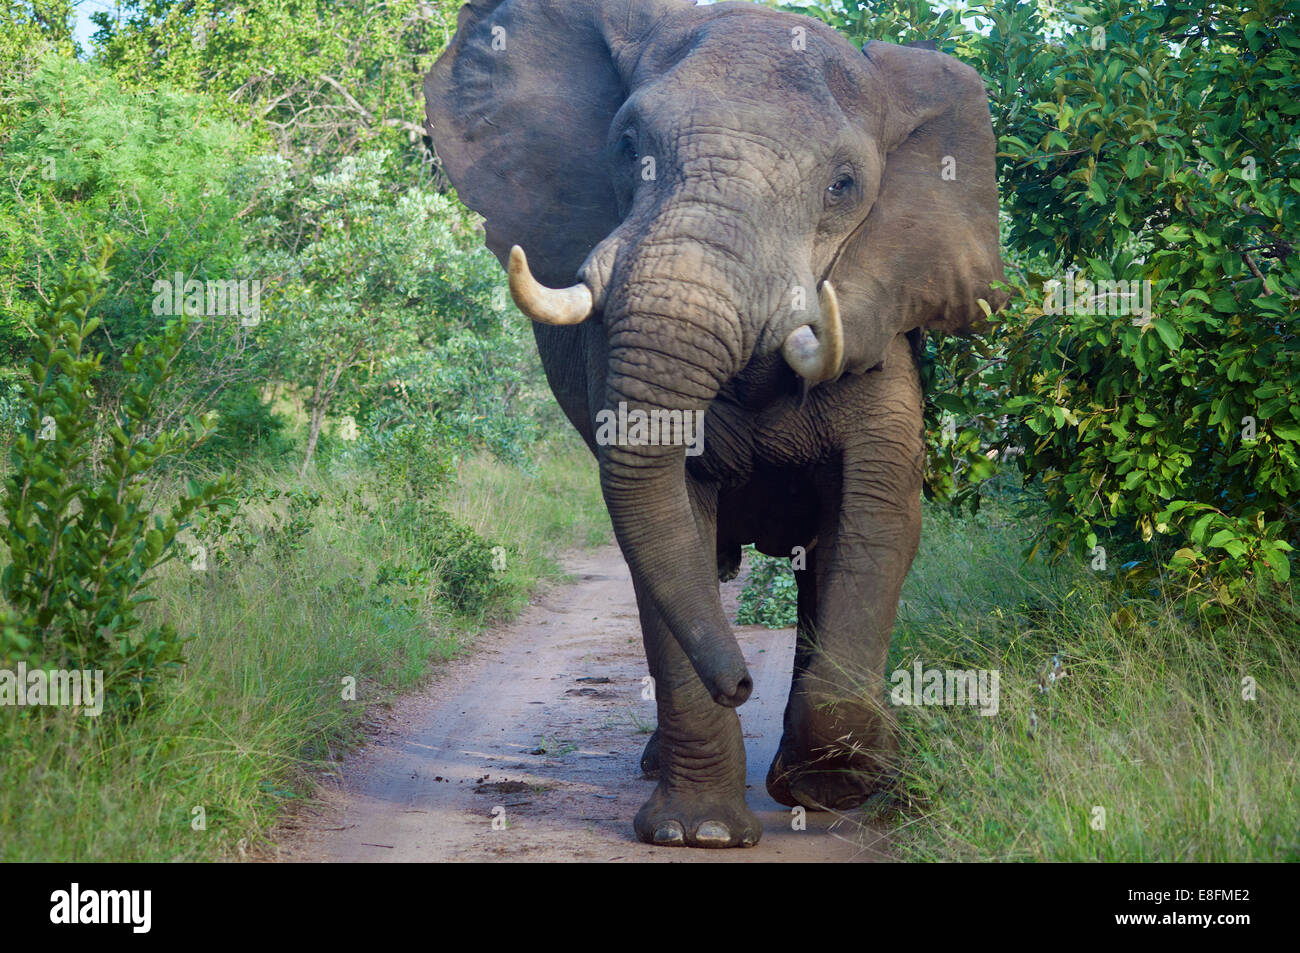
783 156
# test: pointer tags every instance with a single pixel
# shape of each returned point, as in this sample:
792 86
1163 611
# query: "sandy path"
525 723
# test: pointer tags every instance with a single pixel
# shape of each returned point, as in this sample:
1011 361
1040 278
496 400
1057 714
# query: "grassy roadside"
1145 751
278 630
1149 724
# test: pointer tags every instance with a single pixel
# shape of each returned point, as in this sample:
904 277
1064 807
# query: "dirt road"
543 722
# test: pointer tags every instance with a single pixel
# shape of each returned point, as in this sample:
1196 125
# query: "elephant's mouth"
814 350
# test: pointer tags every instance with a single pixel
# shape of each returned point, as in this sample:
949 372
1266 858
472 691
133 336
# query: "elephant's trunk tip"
736 696
557 306
729 682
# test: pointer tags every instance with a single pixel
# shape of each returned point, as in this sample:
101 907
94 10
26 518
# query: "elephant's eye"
839 188
628 147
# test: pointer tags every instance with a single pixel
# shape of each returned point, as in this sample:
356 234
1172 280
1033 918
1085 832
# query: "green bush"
245 426
81 156
83 539
411 461
461 559
770 595
414 470
392 312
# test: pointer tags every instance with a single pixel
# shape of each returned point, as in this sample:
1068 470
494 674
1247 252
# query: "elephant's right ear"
519 108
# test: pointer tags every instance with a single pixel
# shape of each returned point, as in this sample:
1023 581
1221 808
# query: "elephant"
731 214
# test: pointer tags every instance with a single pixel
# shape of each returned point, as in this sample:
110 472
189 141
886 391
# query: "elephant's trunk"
651 513
669 356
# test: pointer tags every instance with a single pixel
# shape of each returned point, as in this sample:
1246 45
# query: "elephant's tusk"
832 328
818 357
546 305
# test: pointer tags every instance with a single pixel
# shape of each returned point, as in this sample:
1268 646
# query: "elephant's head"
716 186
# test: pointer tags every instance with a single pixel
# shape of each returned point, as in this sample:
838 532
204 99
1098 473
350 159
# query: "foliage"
259 711
770 595
410 463
468 575
404 489
322 79
30 30
227 537
391 311
1139 145
482 388
84 542
1156 707
82 156
412 477
245 426
13 409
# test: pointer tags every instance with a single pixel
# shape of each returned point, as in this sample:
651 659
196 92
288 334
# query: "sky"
84 28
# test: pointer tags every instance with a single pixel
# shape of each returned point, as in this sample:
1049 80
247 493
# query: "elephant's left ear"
519 107
928 250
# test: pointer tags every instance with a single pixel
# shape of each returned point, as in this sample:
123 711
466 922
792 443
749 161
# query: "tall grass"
1146 750
560 503
261 701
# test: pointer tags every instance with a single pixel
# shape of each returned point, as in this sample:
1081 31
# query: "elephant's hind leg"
700 798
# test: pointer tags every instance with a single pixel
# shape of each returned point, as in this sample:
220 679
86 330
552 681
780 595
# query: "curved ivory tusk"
818 357
546 305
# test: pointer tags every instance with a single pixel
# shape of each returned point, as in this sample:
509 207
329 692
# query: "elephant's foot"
650 758
689 819
836 778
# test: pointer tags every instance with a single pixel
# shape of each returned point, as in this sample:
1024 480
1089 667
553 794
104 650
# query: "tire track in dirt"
544 718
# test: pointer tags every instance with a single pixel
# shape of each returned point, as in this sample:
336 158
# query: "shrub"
770 595
82 538
81 156
414 466
245 425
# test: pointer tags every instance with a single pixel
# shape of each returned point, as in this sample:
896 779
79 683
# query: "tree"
383 294
83 157
83 548
324 79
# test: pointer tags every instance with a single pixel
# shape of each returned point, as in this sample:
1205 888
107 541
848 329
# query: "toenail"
713 833
670 832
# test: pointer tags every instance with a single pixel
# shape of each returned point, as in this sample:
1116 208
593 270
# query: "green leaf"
1168 333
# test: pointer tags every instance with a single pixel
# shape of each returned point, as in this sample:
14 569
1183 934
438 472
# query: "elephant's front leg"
700 752
839 743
